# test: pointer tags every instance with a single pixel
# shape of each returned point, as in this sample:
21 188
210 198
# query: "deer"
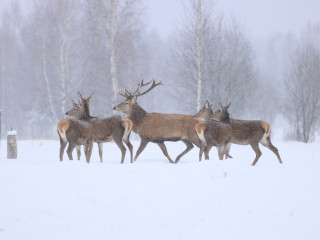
159 127
216 133
245 132
116 128
76 132
75 112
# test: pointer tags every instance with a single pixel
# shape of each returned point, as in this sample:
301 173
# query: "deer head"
75 111
205 112
222 114
131 97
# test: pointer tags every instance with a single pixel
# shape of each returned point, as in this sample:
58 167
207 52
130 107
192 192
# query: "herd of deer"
205 129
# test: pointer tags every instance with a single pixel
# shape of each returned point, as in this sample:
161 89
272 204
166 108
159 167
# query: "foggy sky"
261 18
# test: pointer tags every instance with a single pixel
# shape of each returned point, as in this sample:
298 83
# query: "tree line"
60 47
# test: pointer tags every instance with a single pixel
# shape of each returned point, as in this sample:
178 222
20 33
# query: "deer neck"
226 119
137 115
85 111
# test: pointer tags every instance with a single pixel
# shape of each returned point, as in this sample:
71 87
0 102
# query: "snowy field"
43 198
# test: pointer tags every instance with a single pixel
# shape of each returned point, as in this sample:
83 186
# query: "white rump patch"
63 136
264 140
202 139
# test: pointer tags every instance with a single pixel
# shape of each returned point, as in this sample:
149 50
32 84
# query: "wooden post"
12 144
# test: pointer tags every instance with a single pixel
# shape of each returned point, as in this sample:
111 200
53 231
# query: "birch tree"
212 59
189 52
55 32
117 37
197 7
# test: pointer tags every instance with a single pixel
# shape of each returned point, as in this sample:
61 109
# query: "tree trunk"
46 78
198 32
12 145
113 64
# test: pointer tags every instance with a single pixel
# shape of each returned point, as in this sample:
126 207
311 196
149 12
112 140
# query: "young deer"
158 127
115 128
77 132
216 133
246 132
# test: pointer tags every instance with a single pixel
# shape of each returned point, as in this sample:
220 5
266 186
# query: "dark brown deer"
76 132
158 127
216 133
247 132
116 128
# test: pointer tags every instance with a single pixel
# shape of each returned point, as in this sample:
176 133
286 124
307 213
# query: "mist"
263 58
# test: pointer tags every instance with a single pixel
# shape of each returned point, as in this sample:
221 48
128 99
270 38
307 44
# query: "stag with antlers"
159 127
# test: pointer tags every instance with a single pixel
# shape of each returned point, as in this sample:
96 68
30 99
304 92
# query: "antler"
128 94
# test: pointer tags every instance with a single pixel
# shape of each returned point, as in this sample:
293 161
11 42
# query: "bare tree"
190 51
303 86
212 59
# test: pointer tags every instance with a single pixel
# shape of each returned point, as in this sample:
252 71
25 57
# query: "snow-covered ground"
43 198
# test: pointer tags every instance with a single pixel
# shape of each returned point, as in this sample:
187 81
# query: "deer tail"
127 124
62 128
267 128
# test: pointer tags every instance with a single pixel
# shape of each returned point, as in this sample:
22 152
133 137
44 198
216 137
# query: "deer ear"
74 104
134 99
228 105
206 105
220 106
79 96
91 95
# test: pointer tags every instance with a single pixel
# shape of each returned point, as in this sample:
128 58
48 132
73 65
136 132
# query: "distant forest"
61 47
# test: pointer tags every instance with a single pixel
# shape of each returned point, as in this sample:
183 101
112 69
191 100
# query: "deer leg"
78 147
123 150
70 149
267 143
255 147
128 143
203 147
200 153
189 147
206 152
165 152
227 150
221 152
62 147
142 146
100 147
88 146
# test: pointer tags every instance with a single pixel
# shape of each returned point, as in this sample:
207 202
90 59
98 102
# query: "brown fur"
249 132
216 134
76 132
79 132
63 125
266 127
158 127
114 128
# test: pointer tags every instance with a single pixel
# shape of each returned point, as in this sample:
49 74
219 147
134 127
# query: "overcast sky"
261 17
